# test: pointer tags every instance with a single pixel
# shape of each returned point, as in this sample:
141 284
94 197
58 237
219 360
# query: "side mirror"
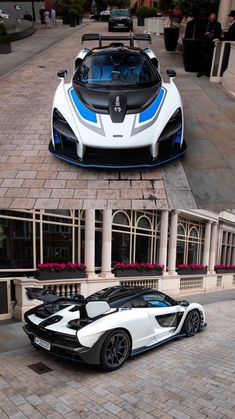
184 303
171 74
62 74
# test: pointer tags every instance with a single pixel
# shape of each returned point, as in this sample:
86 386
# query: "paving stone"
62 193
12 183
23 203
46 203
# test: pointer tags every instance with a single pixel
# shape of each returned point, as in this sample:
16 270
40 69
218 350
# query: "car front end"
117 113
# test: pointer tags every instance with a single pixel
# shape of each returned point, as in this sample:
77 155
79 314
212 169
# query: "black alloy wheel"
115 350
192 323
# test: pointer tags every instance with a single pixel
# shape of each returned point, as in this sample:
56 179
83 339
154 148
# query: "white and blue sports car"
109 326
117 112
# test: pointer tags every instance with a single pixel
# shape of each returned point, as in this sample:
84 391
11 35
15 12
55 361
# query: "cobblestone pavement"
186 378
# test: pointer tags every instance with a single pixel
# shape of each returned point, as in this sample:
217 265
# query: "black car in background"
120 19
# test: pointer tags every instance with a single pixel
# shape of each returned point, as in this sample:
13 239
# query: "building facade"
100 238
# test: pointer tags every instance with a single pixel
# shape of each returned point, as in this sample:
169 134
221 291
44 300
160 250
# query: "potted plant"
224 269
191 269
5 40
121 269
144 12
73 15
67 10
48 271
171 33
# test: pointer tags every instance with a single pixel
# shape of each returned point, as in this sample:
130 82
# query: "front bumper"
120 158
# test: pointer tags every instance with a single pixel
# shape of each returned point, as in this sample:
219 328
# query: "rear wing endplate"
132 38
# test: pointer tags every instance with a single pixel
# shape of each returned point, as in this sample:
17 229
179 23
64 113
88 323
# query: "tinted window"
158 300
136 303
120 12
117 69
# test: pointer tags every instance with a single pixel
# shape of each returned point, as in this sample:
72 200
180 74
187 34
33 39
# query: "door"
164 314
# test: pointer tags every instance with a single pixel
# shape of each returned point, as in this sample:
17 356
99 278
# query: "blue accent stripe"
178 136
152 109
82 109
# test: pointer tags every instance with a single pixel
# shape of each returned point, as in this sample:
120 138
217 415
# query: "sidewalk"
26 49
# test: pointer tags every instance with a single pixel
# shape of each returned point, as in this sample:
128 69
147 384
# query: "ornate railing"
147 283
191 283
64 289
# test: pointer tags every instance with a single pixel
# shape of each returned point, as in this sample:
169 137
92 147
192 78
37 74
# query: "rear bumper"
117 159
74 352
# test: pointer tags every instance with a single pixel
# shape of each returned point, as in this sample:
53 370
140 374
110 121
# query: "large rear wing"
132 38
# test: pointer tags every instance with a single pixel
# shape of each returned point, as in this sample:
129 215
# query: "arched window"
144 223
121 218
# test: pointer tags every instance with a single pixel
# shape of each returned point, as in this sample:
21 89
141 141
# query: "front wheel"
192 323
115 350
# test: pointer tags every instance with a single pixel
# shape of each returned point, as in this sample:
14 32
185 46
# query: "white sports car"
117 112
109 326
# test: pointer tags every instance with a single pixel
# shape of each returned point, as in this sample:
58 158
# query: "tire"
115 350
192 323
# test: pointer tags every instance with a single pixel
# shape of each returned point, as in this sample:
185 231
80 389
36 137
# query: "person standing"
230 34
211 31
53 18
47 19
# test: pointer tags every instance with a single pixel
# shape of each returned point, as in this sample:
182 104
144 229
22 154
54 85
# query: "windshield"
116 69
120 12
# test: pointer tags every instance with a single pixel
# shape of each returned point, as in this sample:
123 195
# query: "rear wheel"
115 350
192 323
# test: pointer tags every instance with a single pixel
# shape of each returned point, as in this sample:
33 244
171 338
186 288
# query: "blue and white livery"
117 112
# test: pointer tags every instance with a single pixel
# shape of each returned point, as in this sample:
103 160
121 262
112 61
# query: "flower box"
55 271
224 269
134 272
137 269
191 269
54 275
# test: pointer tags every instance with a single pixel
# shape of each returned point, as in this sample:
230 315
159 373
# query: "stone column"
214 236
163 238
224 9
172 244
106 244
90 243
233 256
207 241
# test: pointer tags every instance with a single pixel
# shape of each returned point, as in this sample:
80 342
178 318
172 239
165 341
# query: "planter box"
133 272
225 271
47 275
5 48
192 271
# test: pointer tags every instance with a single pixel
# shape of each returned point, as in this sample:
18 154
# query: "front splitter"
102 165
